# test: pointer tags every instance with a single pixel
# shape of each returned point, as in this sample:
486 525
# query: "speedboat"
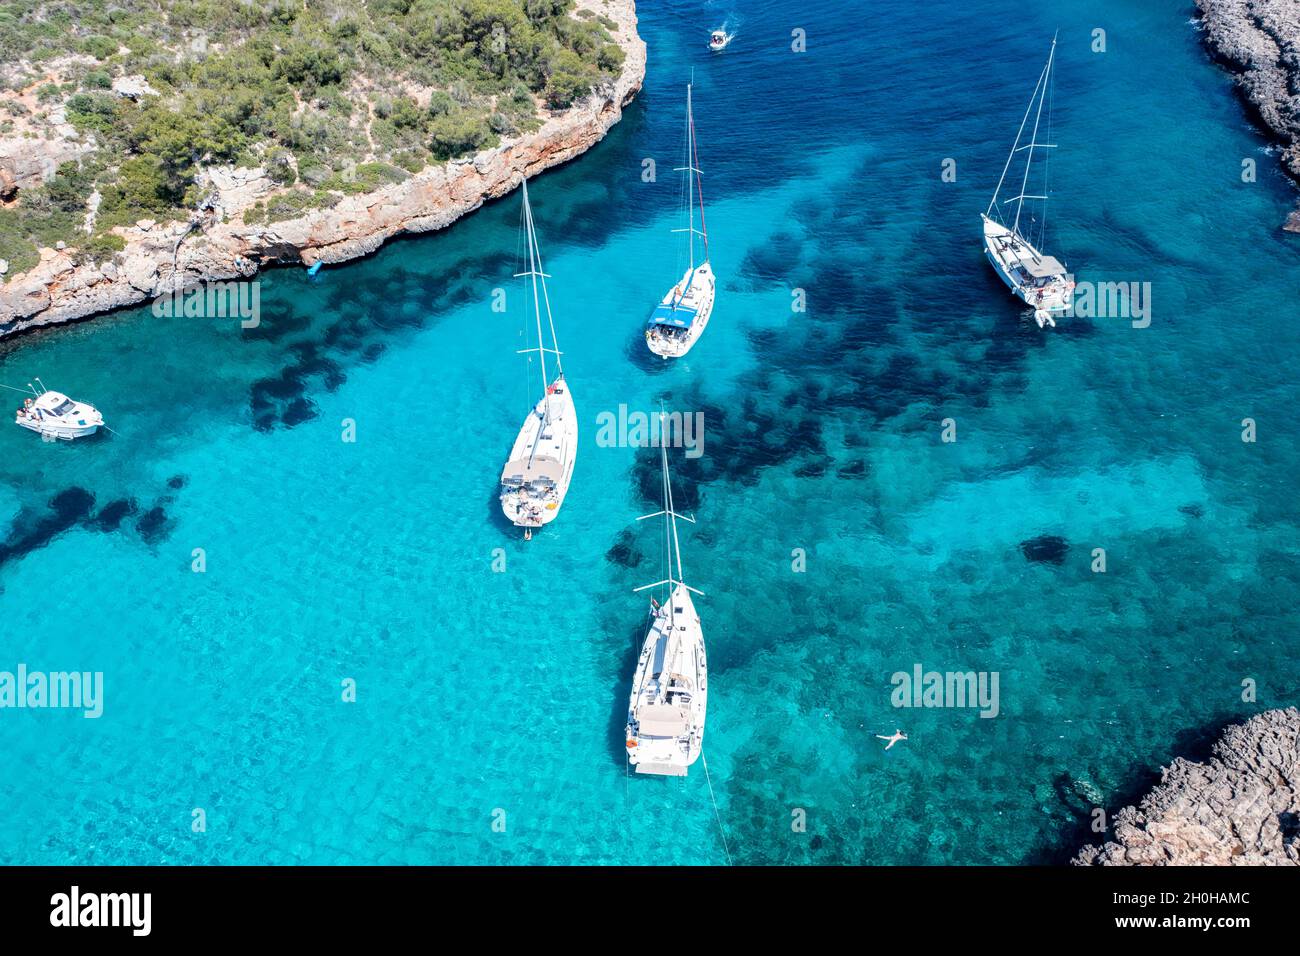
53 415
719 39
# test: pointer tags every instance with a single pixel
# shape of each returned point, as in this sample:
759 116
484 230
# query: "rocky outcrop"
1241 808
1259 41
160 258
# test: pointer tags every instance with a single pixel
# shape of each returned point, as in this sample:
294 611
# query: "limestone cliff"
1259 41
162 257
1240 808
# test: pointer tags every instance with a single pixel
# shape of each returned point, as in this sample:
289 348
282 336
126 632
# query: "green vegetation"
332 97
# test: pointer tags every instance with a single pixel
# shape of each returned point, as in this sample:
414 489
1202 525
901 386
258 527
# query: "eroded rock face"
1259 40
156 261
1241 808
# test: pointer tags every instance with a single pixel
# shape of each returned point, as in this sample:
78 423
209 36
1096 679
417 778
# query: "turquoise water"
480 691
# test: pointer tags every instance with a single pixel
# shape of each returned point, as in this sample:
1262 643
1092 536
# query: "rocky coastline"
162 258
1239 808
1259 42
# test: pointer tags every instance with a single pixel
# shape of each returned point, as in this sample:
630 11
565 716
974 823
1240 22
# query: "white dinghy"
536 478
53 415
1040 280
679 320
719 39
665 712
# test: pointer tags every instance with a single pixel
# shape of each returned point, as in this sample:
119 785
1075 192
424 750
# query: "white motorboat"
536 477
679 320
53 415
719 39
666 709
1041 281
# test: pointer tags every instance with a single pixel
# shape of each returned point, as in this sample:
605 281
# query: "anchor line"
717 816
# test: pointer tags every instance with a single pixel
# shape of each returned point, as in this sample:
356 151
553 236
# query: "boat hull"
553 438
682 652
1054 297
695 292
53 415
61 432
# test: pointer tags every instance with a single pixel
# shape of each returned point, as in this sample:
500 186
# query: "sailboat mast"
534 270
699 187
1041 91
675 556
1015 147
690 176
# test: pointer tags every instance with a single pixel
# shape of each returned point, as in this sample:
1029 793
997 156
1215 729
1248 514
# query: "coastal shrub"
271 82
69 189
312 171
412 160
570 79
380 174
92 112
142 190
278 164
99 248
100 47
15 245
459 134
289 205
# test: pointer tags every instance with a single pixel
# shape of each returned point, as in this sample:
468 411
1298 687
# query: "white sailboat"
679 320
53 415
536 478
665 712
1040 280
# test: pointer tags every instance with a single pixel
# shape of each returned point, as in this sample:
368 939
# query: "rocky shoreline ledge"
1240 808
1259 41
161 258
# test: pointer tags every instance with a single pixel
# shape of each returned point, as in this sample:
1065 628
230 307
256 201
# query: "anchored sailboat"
665 713
536 478
679 320
1014 249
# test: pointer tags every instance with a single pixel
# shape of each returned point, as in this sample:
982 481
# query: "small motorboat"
719 39
53 415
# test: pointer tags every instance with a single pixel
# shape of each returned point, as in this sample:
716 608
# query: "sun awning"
661 720
531 469
1045 266
679 317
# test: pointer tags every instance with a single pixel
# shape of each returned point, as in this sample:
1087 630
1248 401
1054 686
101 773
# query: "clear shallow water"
481 690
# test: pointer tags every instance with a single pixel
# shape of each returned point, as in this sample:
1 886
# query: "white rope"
717 816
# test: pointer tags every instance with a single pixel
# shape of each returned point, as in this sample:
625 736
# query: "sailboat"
536 478
679 320
1015 250
665 712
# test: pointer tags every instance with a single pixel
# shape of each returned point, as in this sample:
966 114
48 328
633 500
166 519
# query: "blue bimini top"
678 317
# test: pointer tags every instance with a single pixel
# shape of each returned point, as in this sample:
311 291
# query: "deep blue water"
481 691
